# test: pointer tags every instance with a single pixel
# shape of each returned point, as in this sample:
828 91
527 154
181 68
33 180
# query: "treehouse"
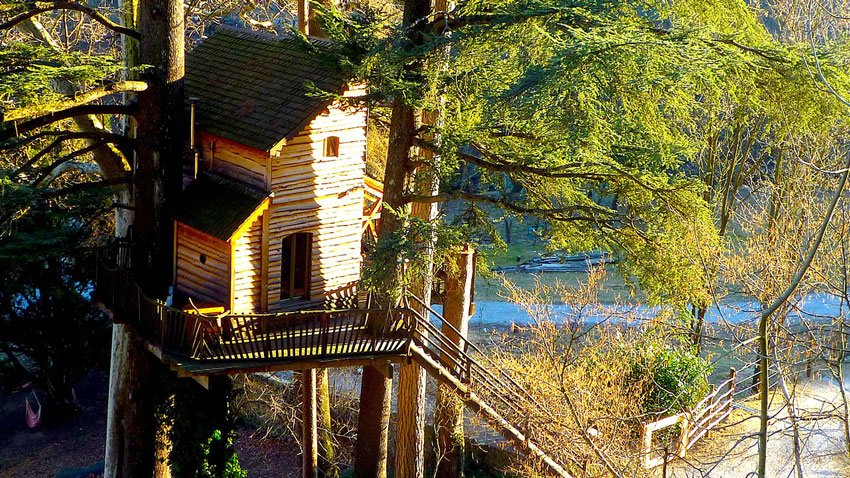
272 214
268 233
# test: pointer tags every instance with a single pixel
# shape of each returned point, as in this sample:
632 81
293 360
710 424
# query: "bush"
674 380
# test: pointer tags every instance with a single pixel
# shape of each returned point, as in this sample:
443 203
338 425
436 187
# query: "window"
332 146
295 266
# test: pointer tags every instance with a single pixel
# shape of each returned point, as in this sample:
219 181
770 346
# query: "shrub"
673 379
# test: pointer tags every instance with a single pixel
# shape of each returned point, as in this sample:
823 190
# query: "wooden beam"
246 224
264 263
174 256
232 275
309 427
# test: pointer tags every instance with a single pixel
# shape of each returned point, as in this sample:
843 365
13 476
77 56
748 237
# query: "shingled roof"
253 87
218 205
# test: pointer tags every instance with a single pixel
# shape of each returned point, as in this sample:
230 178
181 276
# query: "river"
814 306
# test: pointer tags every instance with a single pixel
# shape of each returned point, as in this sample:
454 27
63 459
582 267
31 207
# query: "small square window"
332 146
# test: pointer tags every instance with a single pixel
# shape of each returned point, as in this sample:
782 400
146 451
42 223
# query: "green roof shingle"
218 205
254 88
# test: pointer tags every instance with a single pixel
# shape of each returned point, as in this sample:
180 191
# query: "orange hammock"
33 418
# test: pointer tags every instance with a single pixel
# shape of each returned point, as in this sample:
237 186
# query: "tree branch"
29 112
27 126
75 188
43 7
567 213
45 172
106 136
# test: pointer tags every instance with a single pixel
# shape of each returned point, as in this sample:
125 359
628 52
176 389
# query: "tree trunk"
131 423
131 432
448 414
327 454
375 391
161 132
373 423
410 428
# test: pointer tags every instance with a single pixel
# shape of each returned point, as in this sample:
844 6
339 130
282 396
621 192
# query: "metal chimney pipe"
193 103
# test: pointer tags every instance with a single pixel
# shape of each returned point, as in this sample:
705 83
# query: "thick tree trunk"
376 386
410 427
448 414
375 391
373 423
131 423
161 133
131 434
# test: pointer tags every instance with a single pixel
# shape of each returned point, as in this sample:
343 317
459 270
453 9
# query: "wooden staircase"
236 343
495 397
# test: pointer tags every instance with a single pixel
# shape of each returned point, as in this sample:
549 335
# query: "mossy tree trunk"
448 413
327 452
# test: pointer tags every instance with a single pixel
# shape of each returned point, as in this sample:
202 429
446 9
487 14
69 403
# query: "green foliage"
402 257
674 380
201 430
49 330
556 104
28 73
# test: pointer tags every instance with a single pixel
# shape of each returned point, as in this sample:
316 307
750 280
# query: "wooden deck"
198 346
233 342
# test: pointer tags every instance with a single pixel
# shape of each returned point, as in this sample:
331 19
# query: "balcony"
202 343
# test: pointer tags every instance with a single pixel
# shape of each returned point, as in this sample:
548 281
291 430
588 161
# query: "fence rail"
694 424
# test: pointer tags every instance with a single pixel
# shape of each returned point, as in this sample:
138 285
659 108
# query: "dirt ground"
732 450
62 442
78 441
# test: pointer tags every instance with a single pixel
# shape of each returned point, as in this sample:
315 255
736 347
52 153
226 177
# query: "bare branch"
568 213
43 7
45 172
75 188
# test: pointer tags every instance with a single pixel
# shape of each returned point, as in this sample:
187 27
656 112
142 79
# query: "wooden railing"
255 337
482 385
373 205
693 425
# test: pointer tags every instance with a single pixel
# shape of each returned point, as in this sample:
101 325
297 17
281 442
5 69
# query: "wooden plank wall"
235 160
207 282
323 196
247 267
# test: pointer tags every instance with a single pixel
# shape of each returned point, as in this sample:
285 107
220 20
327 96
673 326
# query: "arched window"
296 263
332 146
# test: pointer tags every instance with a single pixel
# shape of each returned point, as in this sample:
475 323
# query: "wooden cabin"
272 214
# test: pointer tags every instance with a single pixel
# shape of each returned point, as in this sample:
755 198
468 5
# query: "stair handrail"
495 388
468 344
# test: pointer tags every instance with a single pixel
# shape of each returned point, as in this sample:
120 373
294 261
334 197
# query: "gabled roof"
218 206
253 87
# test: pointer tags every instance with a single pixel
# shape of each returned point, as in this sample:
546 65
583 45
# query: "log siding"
207 281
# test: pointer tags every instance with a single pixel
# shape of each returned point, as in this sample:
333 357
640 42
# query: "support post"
309 427
733 377
327 454
756 377
448 414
